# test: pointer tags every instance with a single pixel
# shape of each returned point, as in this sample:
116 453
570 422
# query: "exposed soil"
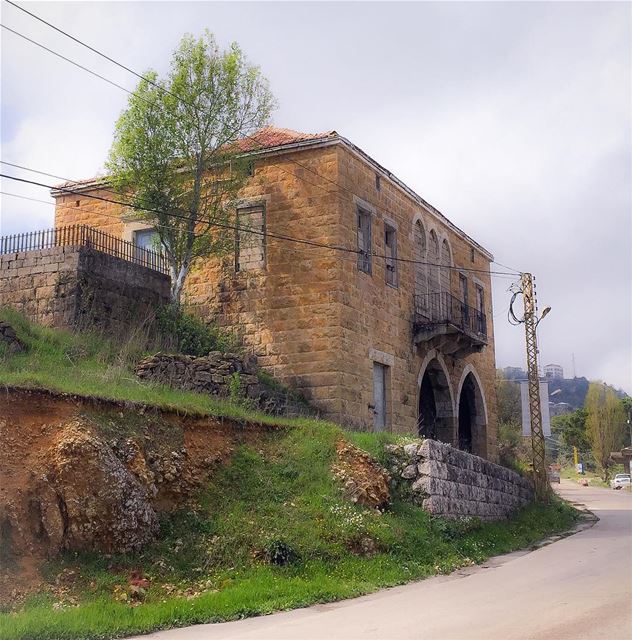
81 474
364 480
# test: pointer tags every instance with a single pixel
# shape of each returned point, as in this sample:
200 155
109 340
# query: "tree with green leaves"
513 448
570 430
605 418
176 155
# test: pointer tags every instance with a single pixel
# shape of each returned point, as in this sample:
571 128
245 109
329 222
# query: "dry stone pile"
452 483
9 338
221 374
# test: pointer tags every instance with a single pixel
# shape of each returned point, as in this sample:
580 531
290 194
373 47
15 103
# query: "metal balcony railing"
81 235
434 309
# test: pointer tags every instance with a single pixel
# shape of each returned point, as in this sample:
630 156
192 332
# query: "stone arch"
419 255
436 417
471 413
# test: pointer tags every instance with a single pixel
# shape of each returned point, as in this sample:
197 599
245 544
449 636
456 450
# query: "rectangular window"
146 239
390 250
364 241
250 238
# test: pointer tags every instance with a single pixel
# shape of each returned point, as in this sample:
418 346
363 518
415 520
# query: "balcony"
448 324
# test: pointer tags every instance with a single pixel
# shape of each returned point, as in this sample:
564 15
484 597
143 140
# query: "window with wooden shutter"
390 250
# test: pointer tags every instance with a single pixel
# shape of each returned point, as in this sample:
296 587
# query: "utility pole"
540 476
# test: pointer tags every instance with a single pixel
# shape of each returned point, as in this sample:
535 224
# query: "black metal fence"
444 308
81 235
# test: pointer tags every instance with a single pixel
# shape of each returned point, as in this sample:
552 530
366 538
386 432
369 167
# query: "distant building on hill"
515 373
553 371
559 408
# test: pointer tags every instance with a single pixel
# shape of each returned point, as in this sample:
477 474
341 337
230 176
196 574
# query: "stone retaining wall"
74 286
452 483
222 374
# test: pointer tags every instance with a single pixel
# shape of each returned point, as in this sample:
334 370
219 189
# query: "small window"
250 169
250 238
364 241
472 254
390 249
378 185
146 239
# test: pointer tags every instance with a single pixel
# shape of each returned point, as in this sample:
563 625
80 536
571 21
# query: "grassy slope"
277 494
89 365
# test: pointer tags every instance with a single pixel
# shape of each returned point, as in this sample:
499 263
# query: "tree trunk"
178 276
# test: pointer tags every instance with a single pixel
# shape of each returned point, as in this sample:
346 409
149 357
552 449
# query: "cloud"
512 118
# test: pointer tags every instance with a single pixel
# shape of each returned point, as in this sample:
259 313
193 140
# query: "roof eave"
326 141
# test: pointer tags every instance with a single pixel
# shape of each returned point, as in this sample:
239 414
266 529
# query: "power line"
179 98
253 231
76 64
99 53
52 175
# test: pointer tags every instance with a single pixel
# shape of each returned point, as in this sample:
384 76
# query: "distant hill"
571 391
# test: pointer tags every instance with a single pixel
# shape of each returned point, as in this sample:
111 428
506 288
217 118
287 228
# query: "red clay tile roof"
265 138
277 137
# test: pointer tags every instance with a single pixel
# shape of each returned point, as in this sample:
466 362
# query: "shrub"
280 553
454 529
190 335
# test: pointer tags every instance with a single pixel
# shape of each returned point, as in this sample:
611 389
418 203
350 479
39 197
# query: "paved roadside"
579 588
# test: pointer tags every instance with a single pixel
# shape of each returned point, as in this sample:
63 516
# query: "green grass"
594 479
280 490
212 560
88 364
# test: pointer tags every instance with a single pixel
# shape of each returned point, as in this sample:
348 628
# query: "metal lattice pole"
540 477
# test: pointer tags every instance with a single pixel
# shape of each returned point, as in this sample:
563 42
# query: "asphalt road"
578 588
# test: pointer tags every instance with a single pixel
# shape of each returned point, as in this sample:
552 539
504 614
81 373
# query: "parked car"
621 480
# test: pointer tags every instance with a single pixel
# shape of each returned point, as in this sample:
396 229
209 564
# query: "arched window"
419 255
447 261
433 273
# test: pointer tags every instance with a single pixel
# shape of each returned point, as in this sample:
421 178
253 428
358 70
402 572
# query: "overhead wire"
266 233
179 98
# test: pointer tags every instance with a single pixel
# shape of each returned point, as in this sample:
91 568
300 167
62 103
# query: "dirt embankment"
83 475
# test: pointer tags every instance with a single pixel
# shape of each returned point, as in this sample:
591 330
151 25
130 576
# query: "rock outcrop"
72 478
364 481
452 483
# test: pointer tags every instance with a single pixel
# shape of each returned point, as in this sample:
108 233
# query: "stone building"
388 326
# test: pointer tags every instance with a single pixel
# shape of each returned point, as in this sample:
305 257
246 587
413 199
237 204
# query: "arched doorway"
436 415
472 420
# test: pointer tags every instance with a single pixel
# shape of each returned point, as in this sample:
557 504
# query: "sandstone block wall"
78 286
313 319
376 318
451 483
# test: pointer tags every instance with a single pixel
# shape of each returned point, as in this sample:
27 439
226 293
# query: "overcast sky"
513 119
